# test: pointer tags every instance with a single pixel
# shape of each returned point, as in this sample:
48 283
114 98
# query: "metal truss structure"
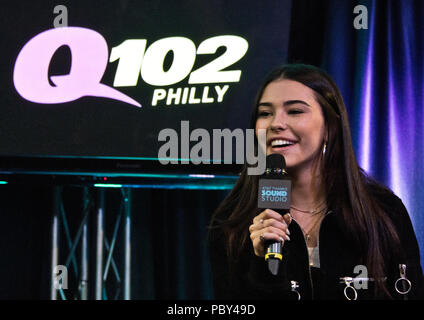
72 252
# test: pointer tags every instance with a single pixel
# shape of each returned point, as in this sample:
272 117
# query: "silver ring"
407 281
355 294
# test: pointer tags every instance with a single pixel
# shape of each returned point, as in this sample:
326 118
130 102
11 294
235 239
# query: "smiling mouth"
281 144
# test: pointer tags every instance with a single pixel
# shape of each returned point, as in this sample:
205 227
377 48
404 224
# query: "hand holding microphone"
269 226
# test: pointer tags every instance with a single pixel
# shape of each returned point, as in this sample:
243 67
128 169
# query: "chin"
292 165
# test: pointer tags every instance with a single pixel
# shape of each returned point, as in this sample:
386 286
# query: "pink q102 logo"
89 52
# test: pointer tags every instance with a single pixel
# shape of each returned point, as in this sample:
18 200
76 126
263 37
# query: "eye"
295 111
264 114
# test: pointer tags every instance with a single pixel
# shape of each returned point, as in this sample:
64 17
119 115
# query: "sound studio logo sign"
90 57
274 194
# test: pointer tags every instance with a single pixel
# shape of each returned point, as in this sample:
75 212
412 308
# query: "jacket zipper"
307 253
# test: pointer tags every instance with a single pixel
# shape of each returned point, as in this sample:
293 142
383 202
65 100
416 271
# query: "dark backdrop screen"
125 70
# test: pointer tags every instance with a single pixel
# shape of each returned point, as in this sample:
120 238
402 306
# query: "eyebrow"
285 104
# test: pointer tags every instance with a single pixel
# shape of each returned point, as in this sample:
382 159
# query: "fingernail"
287 238
288 231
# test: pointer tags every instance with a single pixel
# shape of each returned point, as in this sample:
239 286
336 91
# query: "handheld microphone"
274 192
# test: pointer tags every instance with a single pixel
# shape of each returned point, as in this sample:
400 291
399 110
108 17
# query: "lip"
281 148
269 141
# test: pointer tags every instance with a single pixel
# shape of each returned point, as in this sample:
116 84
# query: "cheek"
318 136
320 129
260 132
260 124
312 132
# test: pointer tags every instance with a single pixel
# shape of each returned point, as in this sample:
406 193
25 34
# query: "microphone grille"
275 160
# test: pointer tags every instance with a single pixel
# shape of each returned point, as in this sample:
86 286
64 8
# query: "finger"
267 214
279 233
259 241
272 237
266 232
287 218
276 224
269 222
257 224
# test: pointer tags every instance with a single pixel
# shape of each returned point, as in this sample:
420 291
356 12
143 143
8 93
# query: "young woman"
346 236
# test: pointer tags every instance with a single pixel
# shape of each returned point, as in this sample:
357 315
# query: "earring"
325 148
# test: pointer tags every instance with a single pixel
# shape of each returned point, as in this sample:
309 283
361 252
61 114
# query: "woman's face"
294 122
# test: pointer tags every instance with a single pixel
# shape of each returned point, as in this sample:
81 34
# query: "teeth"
280 142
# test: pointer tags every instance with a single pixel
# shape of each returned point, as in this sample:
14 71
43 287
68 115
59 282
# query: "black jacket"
249 277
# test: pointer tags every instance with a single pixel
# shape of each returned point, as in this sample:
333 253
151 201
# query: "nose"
278 122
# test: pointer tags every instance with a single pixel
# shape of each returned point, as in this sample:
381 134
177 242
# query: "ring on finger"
261 221
261 237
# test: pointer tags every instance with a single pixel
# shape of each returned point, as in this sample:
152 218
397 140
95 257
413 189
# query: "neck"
308 190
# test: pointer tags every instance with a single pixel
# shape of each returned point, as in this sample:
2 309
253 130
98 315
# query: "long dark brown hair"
347 185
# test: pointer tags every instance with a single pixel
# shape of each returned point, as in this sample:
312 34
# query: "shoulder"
393 207
385 198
